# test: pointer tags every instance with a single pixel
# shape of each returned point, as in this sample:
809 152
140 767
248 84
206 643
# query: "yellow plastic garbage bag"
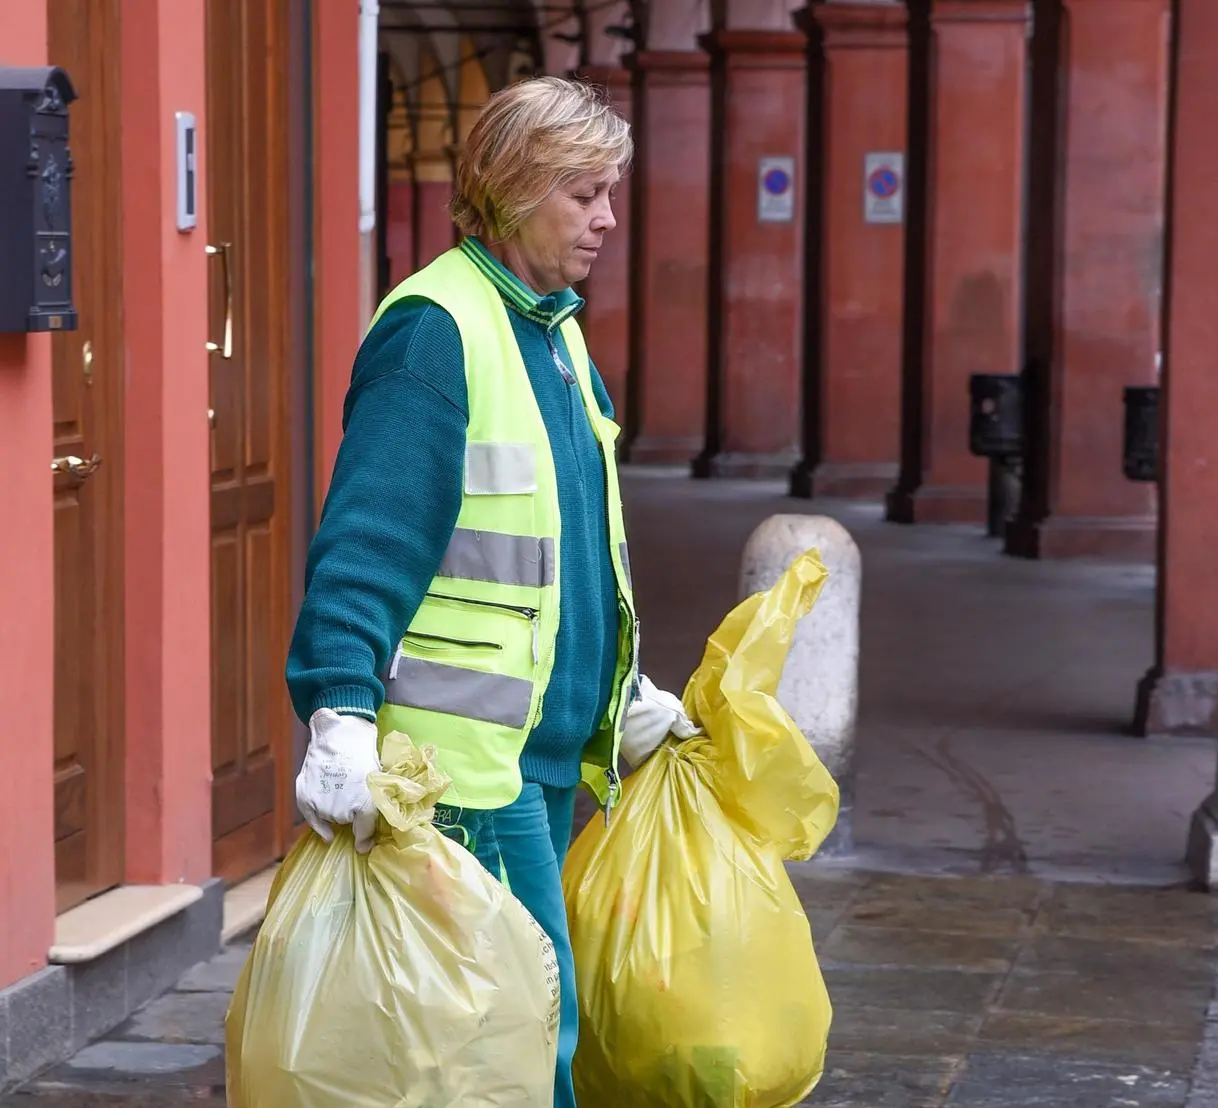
404 978
699 986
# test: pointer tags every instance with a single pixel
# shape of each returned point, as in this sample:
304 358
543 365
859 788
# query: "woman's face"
556 246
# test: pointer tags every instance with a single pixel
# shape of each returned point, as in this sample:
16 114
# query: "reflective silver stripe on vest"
499 559
490 697
625 556
500 468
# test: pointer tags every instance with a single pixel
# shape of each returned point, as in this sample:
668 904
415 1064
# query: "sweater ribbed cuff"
347 700
557 773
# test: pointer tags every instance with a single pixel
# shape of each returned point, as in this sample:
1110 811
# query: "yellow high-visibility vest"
471 672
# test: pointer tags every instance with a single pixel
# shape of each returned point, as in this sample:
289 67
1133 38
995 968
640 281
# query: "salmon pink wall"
168 520
337 324
27 591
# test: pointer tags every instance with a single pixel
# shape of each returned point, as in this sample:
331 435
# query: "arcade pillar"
965 283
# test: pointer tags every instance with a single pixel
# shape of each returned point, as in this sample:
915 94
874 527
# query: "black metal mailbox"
1141 447
35 201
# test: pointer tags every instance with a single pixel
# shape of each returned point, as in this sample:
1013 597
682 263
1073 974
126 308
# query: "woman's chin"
579 269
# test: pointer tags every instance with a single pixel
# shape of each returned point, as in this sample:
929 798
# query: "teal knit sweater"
392 506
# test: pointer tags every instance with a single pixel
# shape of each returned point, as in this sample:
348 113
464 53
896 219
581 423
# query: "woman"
469 583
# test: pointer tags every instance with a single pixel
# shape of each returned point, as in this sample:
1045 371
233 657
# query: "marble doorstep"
104 923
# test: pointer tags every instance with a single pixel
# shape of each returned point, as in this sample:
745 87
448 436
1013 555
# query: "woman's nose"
604 219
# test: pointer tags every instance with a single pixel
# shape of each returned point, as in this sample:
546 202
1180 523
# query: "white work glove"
332 786
650 720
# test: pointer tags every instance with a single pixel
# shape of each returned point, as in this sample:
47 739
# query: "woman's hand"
332 786
650 720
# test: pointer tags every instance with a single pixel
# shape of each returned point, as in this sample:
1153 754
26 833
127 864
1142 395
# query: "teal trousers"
527 842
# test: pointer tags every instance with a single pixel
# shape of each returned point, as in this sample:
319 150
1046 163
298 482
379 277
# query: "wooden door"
87 403
246 156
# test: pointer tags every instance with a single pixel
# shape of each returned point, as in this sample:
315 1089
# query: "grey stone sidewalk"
996 693
976 992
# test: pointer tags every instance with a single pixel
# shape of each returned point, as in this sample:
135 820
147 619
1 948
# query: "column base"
664 449
938 504
1112 539
1201 853
848 480
839 843
753 467
1177 704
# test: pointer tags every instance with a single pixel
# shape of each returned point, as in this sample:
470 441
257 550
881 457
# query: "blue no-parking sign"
775 189
884 188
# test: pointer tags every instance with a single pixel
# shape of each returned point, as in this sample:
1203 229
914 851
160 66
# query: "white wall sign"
775 190
884 187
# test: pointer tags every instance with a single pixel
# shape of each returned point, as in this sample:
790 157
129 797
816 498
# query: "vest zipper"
531 614
398 655
567 375
611 775
615 788
454 642
624 688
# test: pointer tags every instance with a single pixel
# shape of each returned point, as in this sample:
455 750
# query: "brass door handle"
77 467
225 348
86 358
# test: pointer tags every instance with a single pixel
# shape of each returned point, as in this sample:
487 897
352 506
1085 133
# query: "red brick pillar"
757 236
856 273
671 214
1180 693
434 232
399 233
1095 269
606 320
967 295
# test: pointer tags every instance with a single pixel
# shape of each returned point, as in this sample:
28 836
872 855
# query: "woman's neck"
508 254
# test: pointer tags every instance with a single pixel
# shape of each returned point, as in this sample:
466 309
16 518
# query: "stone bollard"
820 684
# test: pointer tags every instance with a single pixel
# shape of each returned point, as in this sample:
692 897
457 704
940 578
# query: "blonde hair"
531 138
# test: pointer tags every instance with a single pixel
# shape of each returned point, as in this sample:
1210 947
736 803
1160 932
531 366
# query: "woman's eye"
585 199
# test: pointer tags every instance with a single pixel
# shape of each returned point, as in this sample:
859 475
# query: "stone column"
820 680
670 213
1095 271
1186 676
852 425
1180 693
966 295
757 259
606 320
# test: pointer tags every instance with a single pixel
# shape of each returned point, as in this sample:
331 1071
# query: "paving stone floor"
995 693
949 992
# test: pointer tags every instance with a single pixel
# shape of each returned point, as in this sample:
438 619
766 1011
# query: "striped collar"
550 311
